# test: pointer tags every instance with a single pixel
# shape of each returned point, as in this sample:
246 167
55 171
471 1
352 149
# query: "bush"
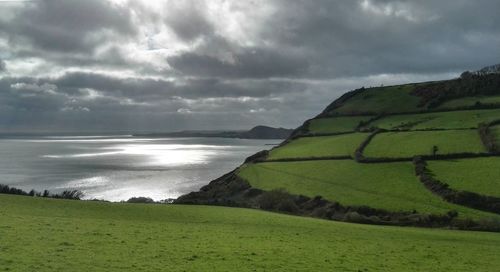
354 217
279 200
70 194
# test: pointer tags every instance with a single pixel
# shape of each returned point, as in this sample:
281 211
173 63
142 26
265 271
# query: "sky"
142 65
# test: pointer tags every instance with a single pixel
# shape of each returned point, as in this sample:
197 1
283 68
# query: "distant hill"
420 154
264 132
258 132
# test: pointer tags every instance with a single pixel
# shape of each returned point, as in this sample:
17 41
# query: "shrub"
354 217
70 194
277 199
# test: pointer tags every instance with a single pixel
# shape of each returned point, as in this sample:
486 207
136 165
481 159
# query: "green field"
391 186
381 99
323 146
410 144
469 101
480 175
336 124
39 234
445 120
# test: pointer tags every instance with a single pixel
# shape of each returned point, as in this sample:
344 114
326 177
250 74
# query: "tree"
466 75
435 149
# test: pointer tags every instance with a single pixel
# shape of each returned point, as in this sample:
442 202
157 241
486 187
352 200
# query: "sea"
118 167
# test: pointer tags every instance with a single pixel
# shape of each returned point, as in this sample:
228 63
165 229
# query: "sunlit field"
391 186
480 175
61 235
336 124
438 120
409 144
317 147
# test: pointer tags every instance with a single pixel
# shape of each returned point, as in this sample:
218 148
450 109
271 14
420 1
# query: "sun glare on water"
164 154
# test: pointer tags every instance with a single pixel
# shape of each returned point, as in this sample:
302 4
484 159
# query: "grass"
323 146
381 99
336 124
59 235
480 175
391 186
444 120
470 101
410 144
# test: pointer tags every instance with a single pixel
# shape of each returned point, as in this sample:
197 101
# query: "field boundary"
464 198
487 138
436 157
308 135
361 158
232 190
469 108
369 130
260 157
329 158
358 154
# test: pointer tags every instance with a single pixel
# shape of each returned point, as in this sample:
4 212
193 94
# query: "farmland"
438 120
381 99
470 101
480 175
409 144
335 124
391 186
324 146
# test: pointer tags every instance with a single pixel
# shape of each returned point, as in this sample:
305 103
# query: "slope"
59 235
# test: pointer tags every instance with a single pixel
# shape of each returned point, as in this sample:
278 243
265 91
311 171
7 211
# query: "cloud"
68 26
354 38
167 65
250 63
188 29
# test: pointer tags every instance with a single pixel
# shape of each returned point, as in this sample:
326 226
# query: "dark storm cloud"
188 29
252 63
68 25
355 38
222 64
153 89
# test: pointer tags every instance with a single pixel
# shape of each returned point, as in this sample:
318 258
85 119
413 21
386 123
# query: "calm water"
118 167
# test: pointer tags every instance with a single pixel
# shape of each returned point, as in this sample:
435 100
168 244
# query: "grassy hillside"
409 144
480 175
381 99
390 186
324 146
470 101
336 125
413 124
59 235
438 120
